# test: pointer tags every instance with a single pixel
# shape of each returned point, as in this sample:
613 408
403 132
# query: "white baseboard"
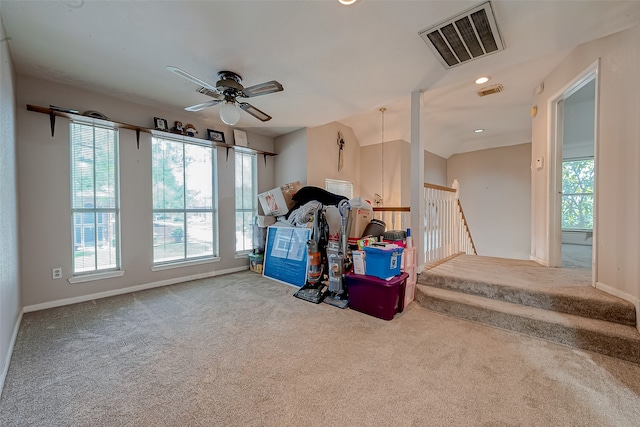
539 260
622 295
91 297
7 360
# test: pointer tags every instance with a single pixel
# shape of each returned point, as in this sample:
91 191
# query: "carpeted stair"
577 316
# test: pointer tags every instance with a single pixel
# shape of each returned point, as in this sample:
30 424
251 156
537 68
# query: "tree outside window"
577 194
184 207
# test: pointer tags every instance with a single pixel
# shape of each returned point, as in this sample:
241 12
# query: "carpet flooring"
576 256
240 350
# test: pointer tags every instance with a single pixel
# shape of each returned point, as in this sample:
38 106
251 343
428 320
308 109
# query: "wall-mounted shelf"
264 154
52 113
55 113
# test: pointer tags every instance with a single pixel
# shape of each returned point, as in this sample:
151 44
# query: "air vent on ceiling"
465 37
490 90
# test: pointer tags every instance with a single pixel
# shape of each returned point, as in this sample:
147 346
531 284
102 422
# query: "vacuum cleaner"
315 290
337 261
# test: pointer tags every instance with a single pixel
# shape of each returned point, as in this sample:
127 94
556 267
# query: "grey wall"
10 304
435 169
43 165
495 192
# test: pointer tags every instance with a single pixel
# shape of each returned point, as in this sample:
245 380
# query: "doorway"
573 174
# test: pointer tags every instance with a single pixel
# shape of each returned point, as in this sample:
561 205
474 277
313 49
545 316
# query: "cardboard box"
255 262
358 261
360 218
278 201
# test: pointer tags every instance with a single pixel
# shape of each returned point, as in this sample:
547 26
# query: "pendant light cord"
382 110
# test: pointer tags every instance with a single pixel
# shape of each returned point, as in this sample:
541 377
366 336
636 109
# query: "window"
246 199
577 194
342 188
94 198
184 205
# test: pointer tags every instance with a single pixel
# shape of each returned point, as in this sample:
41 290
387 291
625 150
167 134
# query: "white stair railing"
446 230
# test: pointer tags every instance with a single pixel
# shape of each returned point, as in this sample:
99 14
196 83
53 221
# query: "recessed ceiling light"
483 79
479 130
347 2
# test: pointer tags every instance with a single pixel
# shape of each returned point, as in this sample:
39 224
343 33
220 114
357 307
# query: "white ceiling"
336 63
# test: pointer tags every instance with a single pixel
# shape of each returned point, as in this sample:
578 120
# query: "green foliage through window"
184 216
577 194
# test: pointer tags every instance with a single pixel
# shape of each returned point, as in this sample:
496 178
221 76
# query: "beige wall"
495 192
43 165
10 305
618 173
435 169
322 155
291 161
370 178
391 178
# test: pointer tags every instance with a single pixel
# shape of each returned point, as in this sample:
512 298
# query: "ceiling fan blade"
190 77
214 94
262 89
260 115
202 106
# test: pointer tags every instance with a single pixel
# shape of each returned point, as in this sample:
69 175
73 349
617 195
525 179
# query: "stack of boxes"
275 202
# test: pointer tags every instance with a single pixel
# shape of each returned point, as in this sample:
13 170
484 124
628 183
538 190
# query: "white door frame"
554 171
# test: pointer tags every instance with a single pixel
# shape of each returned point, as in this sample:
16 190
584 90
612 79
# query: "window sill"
180 264
243 254
95 276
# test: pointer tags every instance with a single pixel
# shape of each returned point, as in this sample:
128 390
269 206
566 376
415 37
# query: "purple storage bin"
376 297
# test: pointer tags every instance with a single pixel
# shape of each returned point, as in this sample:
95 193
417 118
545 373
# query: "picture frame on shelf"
215 136
240 138
160 124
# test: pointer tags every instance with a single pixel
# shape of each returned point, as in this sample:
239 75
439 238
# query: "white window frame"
96 272
184 211
248 212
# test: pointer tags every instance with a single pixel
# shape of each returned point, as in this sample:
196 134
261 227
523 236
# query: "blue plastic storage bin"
382 262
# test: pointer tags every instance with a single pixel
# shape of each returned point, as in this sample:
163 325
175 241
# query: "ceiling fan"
228 89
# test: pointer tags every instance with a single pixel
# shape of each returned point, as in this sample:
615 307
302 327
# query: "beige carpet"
240 350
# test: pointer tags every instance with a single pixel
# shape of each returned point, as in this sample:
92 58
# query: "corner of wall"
7 358
10 292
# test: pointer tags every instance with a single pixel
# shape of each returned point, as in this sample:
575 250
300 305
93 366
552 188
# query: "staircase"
557 305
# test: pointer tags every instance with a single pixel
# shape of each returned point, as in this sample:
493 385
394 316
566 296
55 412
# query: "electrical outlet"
56 273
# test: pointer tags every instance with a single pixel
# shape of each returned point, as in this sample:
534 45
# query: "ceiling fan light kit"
227 89
229 114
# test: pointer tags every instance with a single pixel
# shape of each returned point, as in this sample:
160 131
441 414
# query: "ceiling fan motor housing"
229 83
